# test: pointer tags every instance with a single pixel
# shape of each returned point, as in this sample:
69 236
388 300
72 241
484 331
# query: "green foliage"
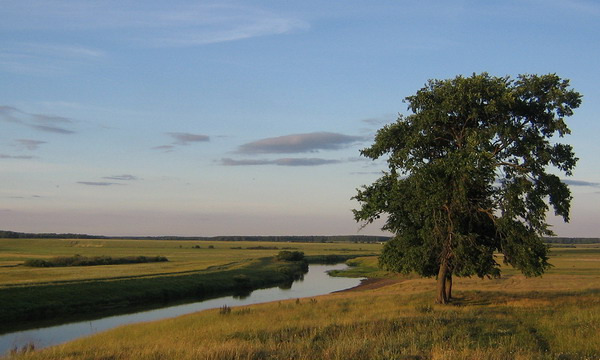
242 281
286 255
468 175
78 260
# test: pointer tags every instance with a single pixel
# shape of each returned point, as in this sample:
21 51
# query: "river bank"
25 306
315 282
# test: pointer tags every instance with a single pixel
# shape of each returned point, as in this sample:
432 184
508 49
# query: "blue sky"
246 117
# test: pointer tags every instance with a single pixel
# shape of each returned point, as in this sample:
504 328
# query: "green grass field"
183 257
32 296
553 317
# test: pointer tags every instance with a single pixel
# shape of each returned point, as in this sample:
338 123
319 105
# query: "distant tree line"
304 239
78 260
568 240
4 234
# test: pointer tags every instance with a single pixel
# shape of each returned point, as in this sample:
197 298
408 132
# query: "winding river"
315 282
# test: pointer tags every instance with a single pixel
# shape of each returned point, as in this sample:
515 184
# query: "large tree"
472 174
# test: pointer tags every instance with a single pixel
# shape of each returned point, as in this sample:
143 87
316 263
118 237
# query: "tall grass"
555 317
360 326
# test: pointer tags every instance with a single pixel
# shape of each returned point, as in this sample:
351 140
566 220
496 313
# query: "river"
315 282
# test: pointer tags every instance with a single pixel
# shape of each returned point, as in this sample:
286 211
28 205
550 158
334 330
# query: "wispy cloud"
41 122
379 121
300 143
280 162
165 148
182 139
581 183
46 58
366 173
7 113
30 144
173 24
98 183
187 138
59 50
124 177
53 129
208 24
24 197
21 157
589 8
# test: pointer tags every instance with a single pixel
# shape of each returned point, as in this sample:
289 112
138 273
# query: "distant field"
31 296
184 256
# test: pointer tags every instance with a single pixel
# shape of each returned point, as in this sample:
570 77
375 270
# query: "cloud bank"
172 24
300 143
280 162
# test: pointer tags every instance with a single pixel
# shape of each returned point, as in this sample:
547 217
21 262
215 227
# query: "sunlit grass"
380 324
553 317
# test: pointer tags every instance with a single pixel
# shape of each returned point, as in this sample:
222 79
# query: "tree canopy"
471 173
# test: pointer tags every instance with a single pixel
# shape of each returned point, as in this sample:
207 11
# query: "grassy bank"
23 304
195 270
183 255
553 317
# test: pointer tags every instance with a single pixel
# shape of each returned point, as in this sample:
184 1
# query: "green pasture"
184 256
195 270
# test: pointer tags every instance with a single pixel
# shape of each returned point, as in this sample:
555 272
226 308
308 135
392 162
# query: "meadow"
556 316
194 270
184 256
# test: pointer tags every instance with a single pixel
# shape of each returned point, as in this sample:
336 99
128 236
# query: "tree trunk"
449 286
441 284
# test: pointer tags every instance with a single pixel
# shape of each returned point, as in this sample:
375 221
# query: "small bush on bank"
242 281
286 255
78 260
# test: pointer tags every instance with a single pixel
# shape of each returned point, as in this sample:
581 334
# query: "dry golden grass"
553 317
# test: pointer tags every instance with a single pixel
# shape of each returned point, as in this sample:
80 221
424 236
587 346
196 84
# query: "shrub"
37 263
242 281
78 260
286 255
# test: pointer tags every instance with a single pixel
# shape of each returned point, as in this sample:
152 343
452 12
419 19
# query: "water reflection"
315 282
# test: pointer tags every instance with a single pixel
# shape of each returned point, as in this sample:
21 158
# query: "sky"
205 118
